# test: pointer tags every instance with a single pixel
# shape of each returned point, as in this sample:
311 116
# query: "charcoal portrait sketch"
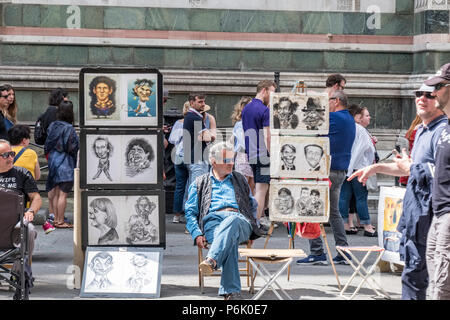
139 155
299 157
103 150
298 201
142 226
102 216
299 114
122 272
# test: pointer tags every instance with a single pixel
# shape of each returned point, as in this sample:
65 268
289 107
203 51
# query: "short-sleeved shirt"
255 116
27 159
426 139
341 134
19 179
441 181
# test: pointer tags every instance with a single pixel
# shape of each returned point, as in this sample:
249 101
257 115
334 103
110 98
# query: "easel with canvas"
301 87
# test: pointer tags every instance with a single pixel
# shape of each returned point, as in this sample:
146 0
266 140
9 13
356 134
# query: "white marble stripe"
204 44
385 6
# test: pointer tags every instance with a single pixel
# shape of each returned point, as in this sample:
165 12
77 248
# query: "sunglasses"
426 94
225 160
439 86
4 96
6 155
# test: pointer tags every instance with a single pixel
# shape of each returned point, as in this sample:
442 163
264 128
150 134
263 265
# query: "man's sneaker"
51 217
233 296
176 219
341 260
47 226
207 266
313 260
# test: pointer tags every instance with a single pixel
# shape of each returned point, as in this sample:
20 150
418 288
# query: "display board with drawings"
120 97
122 272
299 157
123 218
390 209
299 200
299 114
121 159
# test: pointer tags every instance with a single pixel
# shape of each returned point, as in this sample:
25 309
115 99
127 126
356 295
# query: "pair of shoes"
207 266
233 296
353 230
370 234
314 260
47 226
341 260
176 219
63 225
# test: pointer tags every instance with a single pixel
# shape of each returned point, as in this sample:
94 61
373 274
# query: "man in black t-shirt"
438 249
21 180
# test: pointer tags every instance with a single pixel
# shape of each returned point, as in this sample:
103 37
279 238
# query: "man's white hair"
5 141
216 150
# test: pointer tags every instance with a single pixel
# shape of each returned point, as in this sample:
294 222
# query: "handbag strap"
19 154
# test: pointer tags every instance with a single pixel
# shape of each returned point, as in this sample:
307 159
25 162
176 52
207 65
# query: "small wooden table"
257 258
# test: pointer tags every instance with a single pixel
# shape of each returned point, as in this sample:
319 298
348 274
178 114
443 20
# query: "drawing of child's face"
137 155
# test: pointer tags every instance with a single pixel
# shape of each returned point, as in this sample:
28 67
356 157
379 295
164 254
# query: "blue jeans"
225 230
182 176
360 192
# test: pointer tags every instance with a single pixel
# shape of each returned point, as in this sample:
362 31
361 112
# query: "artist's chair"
13 256
363 272
259 257
245 271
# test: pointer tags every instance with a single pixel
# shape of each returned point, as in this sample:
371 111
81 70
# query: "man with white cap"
438 249
415 220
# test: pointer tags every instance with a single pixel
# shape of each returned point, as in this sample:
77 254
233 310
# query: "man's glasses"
424 93
225 160
6 155
4 96
439 86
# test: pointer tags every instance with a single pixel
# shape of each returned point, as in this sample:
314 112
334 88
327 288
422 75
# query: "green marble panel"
307 61
31 16
419 23
401 63
436 21
122 56
367 62
322 22
100 56
334 61
150 57
277 60
252 60
395 25
14 53
25 108
229 59
39 100
53 16
72 55
124 18
12 15
205 58
92 17
42 55
167 19
388 113
404 6
409 112
354 23
204 20
178 58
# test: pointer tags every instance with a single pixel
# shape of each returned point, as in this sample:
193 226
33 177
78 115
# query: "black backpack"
40 134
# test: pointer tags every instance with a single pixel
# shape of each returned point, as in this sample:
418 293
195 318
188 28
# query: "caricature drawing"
141 276
284 114
140 228
313 155
142 91
102 215
101 264
102 90
139 155
103 151
314 115
284 203
288 154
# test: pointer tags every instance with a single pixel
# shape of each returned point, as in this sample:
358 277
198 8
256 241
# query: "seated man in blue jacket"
220 210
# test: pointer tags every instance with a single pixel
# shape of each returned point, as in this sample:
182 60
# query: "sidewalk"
52 265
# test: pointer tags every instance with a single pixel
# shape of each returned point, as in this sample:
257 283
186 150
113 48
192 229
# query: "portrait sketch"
390 208
123 220
101 97
299 114
120 97
118 158
299 157
298 201
122 272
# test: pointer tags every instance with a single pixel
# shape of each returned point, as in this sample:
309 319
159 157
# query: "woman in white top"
363 154
241 164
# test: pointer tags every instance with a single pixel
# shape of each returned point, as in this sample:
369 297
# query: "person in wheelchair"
221 210
20 180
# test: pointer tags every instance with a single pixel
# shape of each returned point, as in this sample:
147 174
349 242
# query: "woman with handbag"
363 154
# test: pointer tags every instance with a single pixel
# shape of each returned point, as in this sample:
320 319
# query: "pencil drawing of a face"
284 114
284 203
103 150
313 155
288 154
101 264
144 208
140 278
139 156
313 114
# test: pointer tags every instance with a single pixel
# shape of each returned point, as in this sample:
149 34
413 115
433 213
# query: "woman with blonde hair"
241 164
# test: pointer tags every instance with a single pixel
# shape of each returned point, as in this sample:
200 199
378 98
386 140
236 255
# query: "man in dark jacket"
220 210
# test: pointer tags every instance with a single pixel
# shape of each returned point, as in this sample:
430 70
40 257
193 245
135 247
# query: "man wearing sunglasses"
21 180
415 222
221 210
438 249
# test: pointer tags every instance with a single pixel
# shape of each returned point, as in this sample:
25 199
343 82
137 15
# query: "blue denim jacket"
62 144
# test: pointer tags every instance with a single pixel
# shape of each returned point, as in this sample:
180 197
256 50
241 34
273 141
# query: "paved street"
53 256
